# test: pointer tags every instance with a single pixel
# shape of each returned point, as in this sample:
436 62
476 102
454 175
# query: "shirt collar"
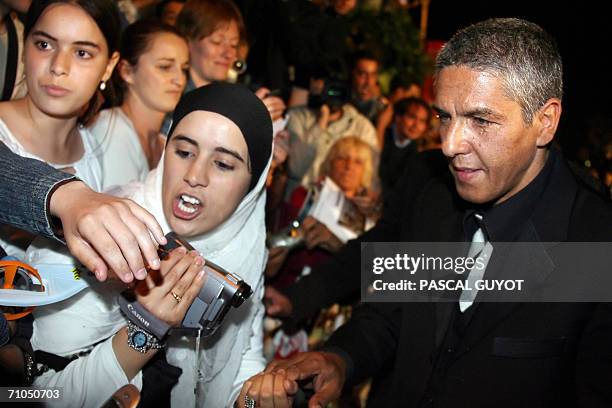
502 222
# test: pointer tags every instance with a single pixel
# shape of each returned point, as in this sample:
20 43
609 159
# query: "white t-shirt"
123 159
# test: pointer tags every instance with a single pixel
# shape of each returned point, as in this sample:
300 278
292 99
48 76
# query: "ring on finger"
176 297
249 402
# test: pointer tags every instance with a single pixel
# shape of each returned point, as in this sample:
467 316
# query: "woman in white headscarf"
209 189
221 140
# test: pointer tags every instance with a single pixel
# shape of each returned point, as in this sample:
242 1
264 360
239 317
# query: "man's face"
413 123
365 75
492 153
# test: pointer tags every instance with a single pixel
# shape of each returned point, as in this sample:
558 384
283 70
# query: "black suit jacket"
512 355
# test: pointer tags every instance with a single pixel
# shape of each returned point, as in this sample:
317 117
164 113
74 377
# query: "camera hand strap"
141 317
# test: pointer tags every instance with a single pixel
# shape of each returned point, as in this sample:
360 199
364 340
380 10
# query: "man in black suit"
498 87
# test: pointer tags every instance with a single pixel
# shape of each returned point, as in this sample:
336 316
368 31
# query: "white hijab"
237 245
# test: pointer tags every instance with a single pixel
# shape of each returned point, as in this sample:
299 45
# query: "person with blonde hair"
349 164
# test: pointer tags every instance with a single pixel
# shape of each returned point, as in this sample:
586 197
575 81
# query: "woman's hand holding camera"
275 105
166 294
169 292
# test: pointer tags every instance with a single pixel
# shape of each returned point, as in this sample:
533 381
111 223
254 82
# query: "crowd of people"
123 121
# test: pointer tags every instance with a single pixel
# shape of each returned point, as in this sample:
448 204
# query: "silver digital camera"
221 291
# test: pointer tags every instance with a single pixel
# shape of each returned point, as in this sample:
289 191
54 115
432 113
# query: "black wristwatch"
141 340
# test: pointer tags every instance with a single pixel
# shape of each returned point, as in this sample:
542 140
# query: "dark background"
583 32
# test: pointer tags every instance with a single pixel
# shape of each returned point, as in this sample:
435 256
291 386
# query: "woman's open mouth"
186 207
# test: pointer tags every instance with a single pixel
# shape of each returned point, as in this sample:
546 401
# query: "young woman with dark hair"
69 54
146 85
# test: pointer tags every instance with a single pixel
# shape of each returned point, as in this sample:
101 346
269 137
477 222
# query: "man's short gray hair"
521 53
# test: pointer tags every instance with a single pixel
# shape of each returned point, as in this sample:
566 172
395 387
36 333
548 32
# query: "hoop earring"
102 85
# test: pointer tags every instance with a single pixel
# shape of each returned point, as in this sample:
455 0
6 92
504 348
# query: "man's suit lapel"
443 311
530 262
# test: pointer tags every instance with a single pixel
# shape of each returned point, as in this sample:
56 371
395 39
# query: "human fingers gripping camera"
181 295
168 294
205 310
275 105
160 302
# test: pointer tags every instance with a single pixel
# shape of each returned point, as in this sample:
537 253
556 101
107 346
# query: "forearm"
339 278
88 381
367 341
131 360
26 186
253 360
60 200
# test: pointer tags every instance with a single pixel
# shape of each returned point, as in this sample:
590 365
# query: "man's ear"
547 121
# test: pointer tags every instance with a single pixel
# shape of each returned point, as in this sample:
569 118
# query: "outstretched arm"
103 232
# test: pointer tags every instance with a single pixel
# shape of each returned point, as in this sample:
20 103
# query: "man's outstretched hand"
107 233
327 371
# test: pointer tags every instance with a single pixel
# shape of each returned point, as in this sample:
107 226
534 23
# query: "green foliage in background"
394 38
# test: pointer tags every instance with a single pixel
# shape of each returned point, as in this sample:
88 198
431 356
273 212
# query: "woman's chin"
183 228
189 228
